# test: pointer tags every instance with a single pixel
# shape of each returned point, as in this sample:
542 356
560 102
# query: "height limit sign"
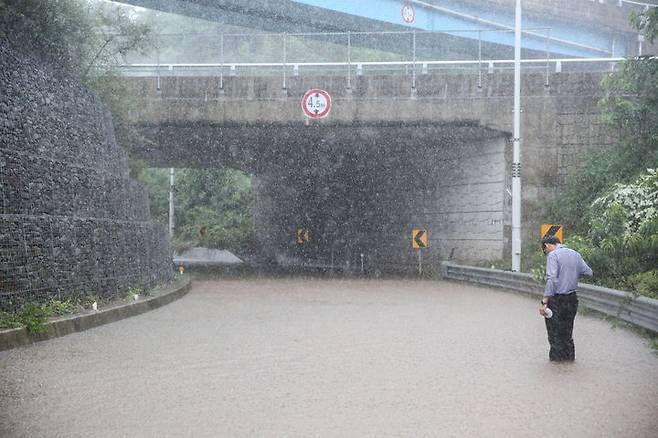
316 104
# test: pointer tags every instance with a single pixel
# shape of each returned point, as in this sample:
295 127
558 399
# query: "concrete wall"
470 212
71 222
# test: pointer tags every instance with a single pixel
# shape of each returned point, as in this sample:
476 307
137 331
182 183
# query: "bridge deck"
331 358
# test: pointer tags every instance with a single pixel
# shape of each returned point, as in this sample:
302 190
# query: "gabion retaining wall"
71 222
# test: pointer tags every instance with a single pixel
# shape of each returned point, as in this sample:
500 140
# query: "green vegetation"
213 207
34 316
135 290
611 203
61 308
9 321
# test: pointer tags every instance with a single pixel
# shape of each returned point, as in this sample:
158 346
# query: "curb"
70 324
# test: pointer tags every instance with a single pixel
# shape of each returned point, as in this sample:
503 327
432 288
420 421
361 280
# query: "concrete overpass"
390 157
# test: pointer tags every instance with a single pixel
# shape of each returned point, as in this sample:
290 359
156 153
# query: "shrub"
9 321
34 317
59 308
645 283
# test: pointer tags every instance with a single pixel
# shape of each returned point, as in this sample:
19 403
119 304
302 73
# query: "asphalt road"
332 358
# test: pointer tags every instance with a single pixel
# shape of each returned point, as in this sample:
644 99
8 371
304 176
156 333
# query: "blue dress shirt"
563 267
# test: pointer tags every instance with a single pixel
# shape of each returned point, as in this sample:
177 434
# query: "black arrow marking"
552 231
419 242
302 236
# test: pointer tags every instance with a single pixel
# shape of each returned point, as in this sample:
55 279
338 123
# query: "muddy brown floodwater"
332 358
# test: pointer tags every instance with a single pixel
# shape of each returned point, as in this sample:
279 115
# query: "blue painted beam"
463 20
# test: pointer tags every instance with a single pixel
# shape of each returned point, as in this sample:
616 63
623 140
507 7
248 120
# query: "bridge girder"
580 35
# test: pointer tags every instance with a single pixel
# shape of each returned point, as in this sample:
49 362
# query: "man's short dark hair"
552 240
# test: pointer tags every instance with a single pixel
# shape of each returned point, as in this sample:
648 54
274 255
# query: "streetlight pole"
171 202
516 160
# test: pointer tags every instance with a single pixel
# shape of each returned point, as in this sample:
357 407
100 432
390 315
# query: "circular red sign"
408 13
316 103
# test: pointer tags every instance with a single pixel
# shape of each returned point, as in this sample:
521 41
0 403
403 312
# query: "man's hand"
542 309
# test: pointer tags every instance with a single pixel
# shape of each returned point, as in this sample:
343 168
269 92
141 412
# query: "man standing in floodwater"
563 267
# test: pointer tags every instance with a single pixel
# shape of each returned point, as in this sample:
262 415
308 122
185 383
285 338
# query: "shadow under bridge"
347 195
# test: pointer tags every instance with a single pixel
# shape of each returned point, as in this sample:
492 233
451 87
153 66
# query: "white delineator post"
171 202
516 160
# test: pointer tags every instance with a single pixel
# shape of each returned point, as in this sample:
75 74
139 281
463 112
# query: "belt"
570 292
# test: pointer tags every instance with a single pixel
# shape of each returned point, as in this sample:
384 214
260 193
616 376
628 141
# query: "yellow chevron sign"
552 230
303 236
418 238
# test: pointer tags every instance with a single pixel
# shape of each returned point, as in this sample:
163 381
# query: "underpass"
397 152
312 357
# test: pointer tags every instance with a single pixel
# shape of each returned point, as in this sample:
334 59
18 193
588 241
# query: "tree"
611 203
630 109
646 22
221 200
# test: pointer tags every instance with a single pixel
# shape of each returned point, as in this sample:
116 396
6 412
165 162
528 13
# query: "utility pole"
516 160
171 202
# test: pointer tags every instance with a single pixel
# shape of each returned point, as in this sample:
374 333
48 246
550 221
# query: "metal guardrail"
637 310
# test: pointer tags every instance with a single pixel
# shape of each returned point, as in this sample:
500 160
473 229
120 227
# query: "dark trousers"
560 327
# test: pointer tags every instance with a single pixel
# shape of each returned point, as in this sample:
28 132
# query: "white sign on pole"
316 104
408 13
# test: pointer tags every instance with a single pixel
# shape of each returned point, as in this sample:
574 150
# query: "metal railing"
636 3
352 54
637 310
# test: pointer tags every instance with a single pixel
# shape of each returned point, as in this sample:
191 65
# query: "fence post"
413 83
157 69
349 60
548 55
221 61
479 59
284 59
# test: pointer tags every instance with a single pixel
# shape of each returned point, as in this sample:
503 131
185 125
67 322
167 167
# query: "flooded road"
332 358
